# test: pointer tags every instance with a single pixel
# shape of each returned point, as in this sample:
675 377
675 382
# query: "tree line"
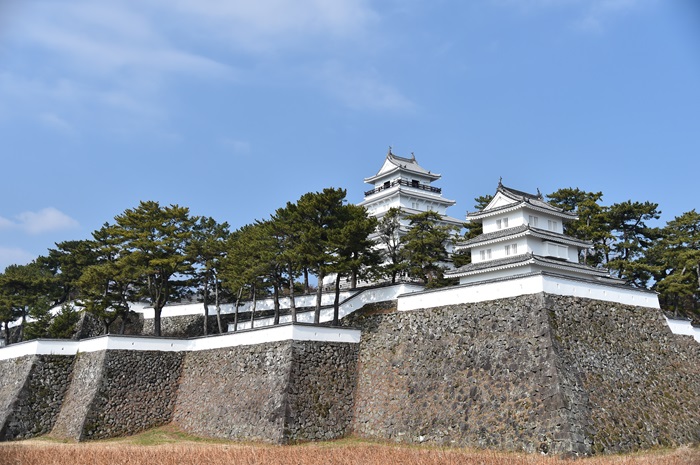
161 254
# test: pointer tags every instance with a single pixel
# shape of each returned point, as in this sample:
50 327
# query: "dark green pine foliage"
591 225
207 250
68 261
157 239
107 287
424 247
319 214
473 229
389 236
353 251
675 259
25 289
633 237
287 228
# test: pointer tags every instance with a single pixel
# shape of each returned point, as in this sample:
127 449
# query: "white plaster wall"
526 285
112 342
683 327
518 217
382 294
525 269
262 304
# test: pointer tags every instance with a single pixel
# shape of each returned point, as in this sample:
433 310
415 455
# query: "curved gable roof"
394 163
507 199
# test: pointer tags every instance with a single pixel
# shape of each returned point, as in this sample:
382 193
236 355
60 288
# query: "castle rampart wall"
538 372
275 392
535 372
32 389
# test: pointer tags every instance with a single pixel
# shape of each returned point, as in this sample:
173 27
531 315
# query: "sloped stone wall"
13 376
137 392
235 393
38 402
86 379
642 381
274 392
535 373
482 375
119 392
320 393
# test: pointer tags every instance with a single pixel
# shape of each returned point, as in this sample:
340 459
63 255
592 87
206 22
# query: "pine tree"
157 239
424 247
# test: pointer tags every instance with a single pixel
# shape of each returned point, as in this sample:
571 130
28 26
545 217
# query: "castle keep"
532 351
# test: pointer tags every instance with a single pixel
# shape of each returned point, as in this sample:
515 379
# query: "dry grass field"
168 447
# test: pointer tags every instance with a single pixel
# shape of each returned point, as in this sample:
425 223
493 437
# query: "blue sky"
233 108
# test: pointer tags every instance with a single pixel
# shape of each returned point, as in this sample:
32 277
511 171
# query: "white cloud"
238 147
105 38
601 11
5 223
274 24
42 221
363 91
590 15
56 122
14 256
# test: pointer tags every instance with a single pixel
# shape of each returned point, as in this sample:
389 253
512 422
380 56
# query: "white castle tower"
404 184
523 234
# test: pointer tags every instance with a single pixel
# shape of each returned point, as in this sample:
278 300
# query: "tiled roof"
408 163
495 235
491 263
523 259
542 233
521 198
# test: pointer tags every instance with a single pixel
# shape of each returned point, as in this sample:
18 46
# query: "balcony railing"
403 182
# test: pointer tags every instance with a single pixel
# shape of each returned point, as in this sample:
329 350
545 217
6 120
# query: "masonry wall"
119 392
482 375
249 399
14 376
320 393
642 381
534 373
273 392
34 407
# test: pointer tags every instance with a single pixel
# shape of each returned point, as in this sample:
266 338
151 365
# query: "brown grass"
169 447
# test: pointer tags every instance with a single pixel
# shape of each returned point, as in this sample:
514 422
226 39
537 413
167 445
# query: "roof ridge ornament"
539 194
413 157
389 154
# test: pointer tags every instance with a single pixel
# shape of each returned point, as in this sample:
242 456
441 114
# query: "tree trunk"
292 302
235 311
276 295
218 305
319 295
156 320
122 326
252 310
206 307
353 276
20 338
306 280
7 333
336 301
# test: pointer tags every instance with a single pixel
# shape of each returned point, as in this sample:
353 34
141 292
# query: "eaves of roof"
522 260
520 231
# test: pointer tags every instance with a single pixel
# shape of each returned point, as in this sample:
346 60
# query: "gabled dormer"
522 233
